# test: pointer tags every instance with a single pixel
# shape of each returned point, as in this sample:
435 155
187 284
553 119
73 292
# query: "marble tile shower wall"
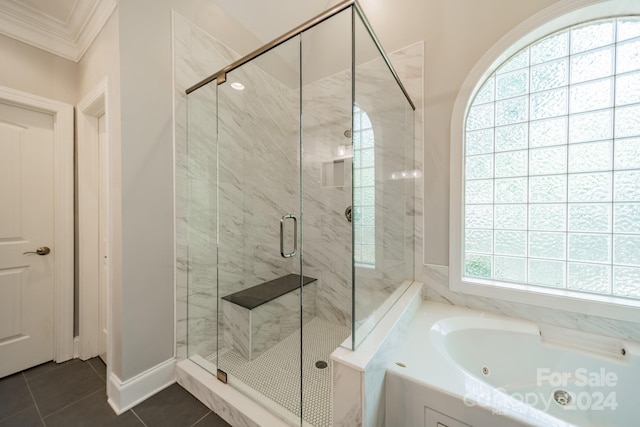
327 241
378 94
409 63
258 160
200 222
327 234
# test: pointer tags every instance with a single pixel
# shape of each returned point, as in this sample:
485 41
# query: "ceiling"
68 27
63 27
268 20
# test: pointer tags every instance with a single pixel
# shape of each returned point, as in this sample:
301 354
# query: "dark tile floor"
72 394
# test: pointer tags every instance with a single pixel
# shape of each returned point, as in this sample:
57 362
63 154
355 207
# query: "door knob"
42 250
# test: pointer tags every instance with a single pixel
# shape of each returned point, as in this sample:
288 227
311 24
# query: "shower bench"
257 318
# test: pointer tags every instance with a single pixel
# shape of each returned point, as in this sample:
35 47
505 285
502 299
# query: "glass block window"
364 190
552 164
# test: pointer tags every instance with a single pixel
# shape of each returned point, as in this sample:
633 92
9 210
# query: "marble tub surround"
358 376
252 331
436 280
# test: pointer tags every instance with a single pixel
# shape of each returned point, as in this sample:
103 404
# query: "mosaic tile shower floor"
276 372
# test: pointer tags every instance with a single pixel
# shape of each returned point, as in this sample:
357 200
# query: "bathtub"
460 367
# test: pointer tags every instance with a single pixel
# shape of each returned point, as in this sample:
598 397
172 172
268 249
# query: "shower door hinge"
222 376
221 78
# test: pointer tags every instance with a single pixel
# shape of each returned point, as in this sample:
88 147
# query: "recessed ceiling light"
237 86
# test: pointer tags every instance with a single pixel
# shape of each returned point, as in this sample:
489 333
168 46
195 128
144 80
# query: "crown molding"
69 39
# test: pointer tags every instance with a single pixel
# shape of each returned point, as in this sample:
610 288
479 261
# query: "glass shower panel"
201 292
299 219
259 221
327 151
383 185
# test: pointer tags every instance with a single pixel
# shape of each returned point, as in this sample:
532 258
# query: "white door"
26 224
93 222
103 227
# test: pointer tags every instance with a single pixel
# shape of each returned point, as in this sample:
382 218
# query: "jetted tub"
460 367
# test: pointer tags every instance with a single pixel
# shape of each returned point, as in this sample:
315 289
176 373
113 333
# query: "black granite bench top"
255 296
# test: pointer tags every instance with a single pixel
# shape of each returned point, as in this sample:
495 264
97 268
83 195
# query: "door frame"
90 161
63 249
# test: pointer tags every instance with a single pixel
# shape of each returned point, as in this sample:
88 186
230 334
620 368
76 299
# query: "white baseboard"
125 395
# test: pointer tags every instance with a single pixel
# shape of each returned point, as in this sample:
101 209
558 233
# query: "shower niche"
278 278
333 172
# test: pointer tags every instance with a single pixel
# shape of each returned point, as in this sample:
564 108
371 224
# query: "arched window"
364 189
551 165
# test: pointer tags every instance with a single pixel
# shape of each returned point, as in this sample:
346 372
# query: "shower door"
259 220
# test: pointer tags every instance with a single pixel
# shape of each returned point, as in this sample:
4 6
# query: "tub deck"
439 374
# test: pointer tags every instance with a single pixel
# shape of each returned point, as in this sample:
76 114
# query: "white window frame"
554 18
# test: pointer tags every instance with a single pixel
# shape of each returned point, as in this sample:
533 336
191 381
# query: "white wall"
102 60
35 71
146 312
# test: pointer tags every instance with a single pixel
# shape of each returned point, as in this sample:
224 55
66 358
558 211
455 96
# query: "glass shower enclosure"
300 200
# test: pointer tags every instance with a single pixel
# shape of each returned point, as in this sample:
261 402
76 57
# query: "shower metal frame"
221 76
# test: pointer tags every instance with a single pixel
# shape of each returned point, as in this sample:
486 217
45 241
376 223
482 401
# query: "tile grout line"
58 366
14 414
34 399
95 370
138 417
71 404
201 418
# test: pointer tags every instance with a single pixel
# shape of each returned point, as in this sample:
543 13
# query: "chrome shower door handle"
295 236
